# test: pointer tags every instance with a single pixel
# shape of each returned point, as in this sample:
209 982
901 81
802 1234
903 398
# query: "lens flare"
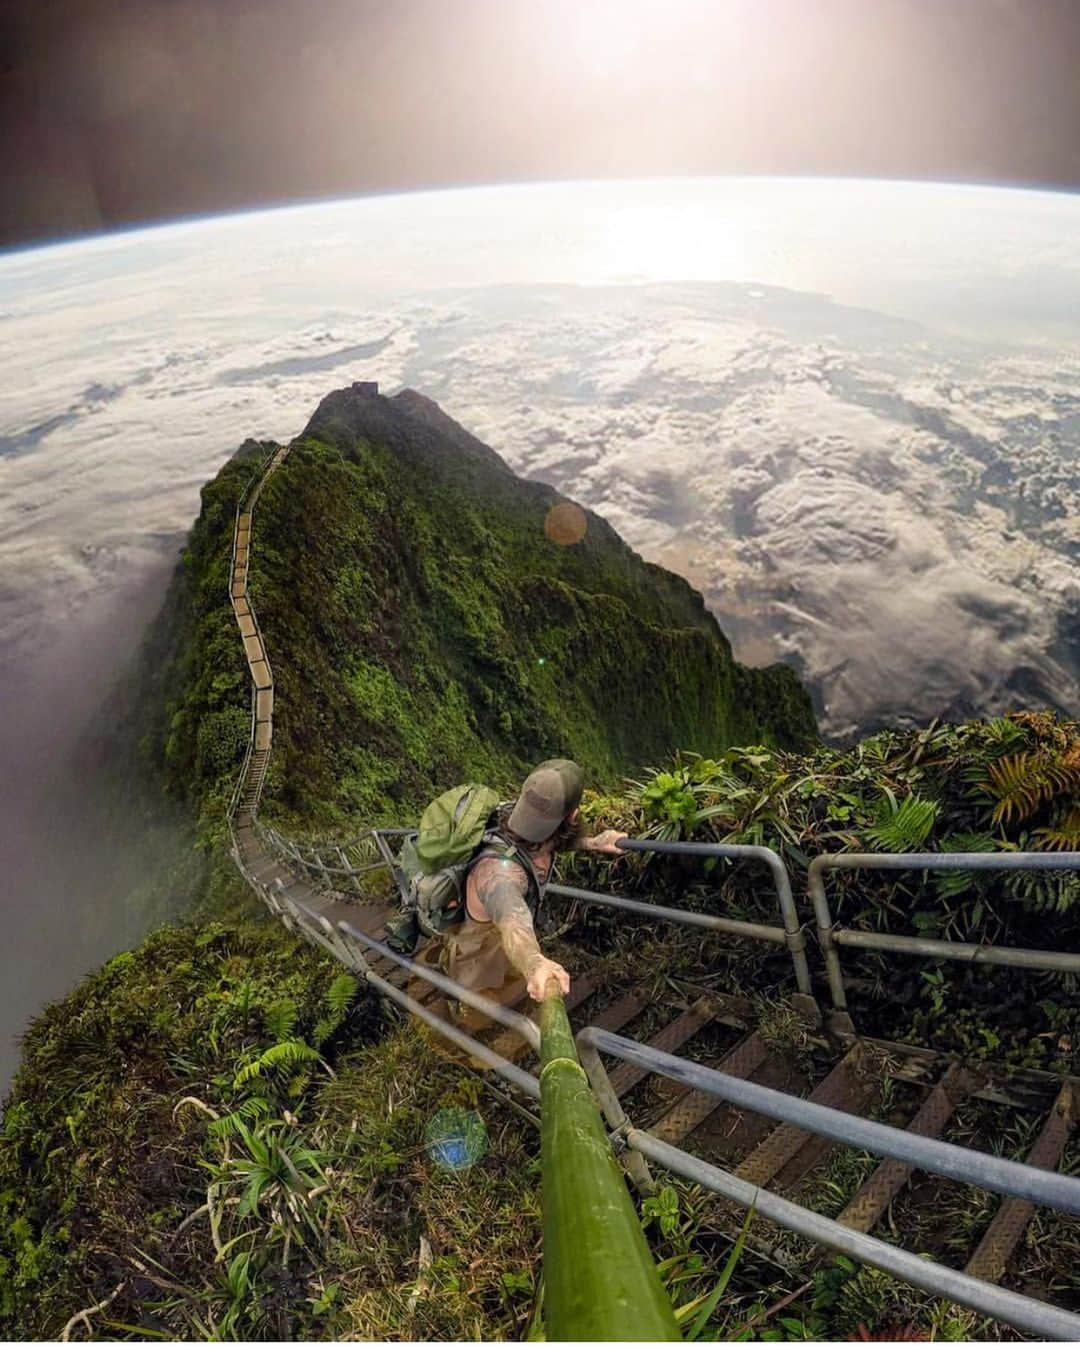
456 1139
565 524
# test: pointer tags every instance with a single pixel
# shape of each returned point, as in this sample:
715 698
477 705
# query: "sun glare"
602 37
665 243
616 37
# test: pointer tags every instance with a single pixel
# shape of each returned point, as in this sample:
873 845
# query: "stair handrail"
988 1299
831 937
310 858
790 932
351 948
241 777
559 1050
968 1165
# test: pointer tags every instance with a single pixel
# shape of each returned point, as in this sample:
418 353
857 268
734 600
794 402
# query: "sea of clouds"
855 428
891 511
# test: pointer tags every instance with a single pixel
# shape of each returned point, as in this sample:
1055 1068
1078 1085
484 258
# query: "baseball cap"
550 792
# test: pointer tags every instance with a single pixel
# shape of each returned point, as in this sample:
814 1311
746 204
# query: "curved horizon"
510 184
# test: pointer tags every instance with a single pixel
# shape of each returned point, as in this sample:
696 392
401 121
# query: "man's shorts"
472 955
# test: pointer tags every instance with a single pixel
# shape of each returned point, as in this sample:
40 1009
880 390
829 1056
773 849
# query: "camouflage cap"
550 792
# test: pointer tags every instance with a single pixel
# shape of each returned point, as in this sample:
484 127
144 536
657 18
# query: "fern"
282 1057
281 1018
903 826
254 1108
1021 784
951 883
297 1085
340 994
338 997
1064 834
1044 892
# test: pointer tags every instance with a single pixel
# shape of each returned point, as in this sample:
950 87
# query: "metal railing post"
618 1123
832 937
283 901
790 934
816 885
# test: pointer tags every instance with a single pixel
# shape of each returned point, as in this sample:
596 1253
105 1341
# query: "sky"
117 112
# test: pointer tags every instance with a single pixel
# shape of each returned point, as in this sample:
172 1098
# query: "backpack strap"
495 844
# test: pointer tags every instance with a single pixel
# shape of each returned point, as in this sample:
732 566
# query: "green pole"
599 1276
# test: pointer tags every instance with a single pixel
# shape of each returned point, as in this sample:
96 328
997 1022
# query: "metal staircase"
773 1139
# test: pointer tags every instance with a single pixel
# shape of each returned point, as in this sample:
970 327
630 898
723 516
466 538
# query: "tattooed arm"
500 888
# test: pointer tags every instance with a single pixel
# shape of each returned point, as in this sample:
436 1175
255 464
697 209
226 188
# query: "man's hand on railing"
546 978
606 842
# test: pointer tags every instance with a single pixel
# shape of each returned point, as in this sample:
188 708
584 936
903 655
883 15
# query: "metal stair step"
263 867
881 1188
670 1038
511 1046
1002 1236
369 918
695 1107
865 1091
621 1012
782 1145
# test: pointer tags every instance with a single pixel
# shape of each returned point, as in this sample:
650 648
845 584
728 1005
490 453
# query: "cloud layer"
879 487
896 515
894 512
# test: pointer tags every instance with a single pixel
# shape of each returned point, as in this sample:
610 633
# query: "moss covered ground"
219 1135
424 628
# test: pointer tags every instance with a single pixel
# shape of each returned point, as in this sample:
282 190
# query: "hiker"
504 881
500 897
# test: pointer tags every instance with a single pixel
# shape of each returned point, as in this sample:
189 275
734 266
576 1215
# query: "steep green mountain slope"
423 629
154 1095
219 1135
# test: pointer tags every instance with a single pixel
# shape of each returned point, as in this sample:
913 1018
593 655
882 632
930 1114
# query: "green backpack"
435 863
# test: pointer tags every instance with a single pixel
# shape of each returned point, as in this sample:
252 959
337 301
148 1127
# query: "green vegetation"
219 1124
135 1095
423 630
207 1130
188 709
1006 784
219 1135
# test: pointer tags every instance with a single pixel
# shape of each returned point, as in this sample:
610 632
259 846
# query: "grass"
786 1030
354 1232
213 1137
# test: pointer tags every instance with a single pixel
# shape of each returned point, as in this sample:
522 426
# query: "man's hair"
566 837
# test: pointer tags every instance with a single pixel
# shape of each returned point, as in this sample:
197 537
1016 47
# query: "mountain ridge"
394 592
423 628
